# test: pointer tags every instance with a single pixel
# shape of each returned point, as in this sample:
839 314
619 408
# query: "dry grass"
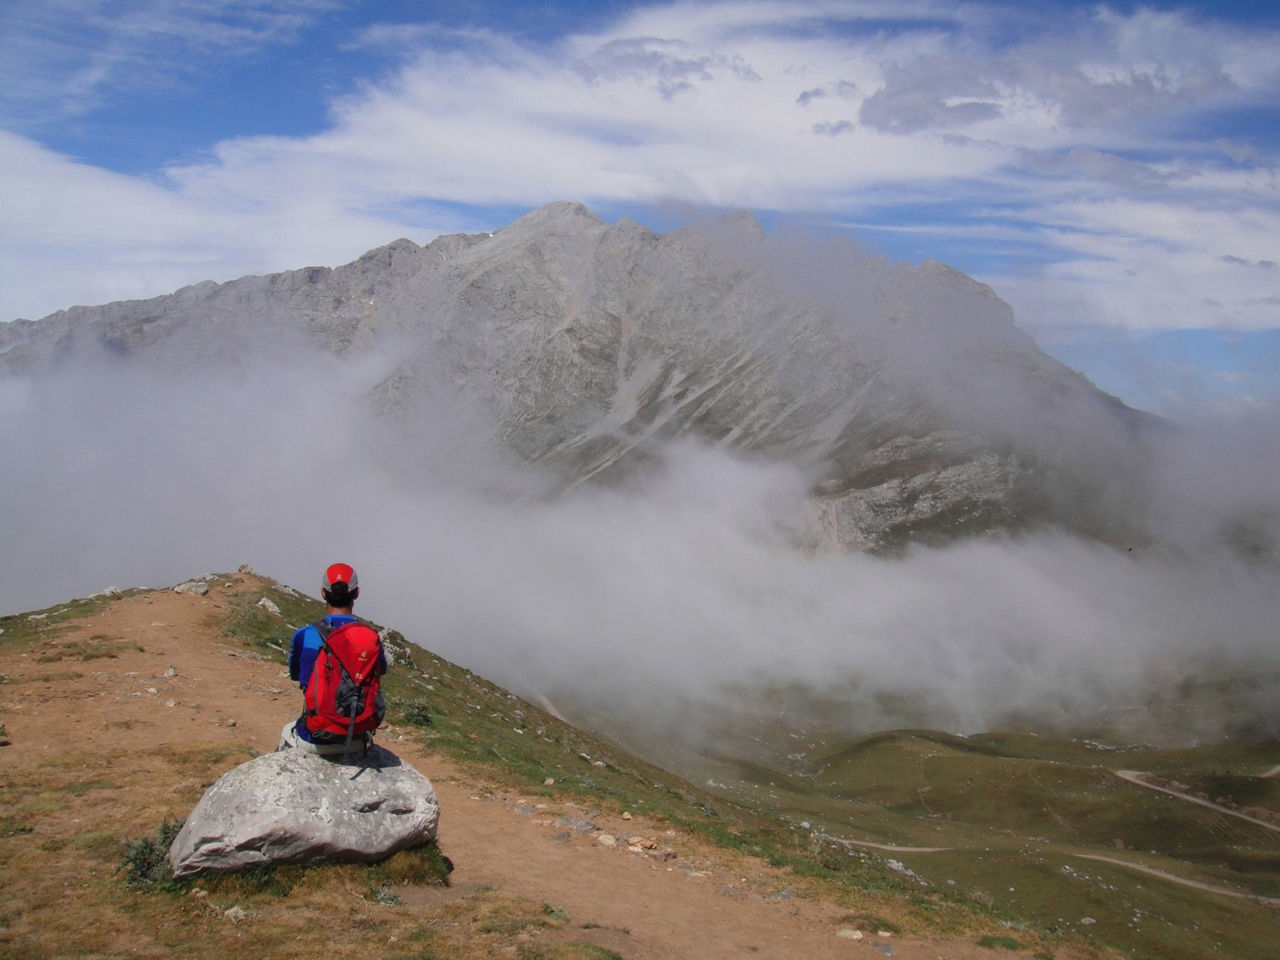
96 647
69 838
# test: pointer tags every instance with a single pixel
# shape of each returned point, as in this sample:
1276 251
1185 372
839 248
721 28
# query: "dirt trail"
188 685
1174 878
1137 777
889 847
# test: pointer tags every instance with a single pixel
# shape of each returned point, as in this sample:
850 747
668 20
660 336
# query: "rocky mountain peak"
909 394
561 217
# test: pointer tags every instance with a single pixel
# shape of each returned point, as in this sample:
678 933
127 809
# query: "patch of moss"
576 950
198 759
81 787
1000 943
60 676
869 921
10 827
415 713
97 647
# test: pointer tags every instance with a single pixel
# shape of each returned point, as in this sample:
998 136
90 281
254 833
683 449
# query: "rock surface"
292 807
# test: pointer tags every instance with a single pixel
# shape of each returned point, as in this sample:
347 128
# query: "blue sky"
1112 170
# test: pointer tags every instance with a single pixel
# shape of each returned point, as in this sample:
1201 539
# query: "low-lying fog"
681 590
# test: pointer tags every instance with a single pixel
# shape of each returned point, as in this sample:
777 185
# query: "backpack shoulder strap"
327 631
325 628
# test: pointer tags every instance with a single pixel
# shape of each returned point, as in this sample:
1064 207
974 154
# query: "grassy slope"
1016 809
518 744
1022 813
79 825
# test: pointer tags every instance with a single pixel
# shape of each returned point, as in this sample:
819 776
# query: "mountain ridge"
916 407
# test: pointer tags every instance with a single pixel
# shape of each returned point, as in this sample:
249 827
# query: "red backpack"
343 694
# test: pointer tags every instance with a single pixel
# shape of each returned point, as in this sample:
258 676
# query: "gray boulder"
293 807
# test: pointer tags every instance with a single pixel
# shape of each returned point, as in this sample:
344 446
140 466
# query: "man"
339 588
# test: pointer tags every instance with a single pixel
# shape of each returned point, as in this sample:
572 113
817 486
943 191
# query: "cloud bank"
622 603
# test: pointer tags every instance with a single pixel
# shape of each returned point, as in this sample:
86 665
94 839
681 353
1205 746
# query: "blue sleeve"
295 654
302 654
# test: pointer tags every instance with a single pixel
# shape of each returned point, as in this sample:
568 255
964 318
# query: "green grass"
96 647
870 922
145 867
146 861
22 629
265 632
932 777
1016 808
421 866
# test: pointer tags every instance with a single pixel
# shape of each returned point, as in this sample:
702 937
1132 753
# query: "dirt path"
1136 777
1174 878
187 687
889 847
665 909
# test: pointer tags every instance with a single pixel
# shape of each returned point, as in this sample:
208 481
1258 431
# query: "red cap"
340 573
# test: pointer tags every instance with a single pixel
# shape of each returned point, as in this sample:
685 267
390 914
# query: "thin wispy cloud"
67 57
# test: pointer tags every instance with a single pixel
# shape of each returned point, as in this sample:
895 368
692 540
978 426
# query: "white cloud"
79 234
1146 264
67 56
683 586
975 120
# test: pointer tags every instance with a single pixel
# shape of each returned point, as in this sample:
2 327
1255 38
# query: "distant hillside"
916 408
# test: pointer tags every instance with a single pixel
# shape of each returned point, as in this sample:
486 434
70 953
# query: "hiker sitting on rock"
338 662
